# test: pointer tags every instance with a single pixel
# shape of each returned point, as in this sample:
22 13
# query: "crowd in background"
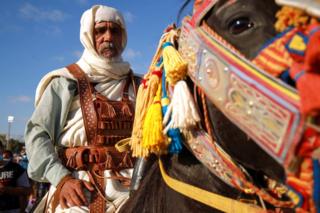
13 166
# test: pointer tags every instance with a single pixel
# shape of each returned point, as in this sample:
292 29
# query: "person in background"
14 185
23 158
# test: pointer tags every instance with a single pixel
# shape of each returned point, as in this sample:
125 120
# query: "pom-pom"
175 139
182 109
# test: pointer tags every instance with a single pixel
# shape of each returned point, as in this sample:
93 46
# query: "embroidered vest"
106 122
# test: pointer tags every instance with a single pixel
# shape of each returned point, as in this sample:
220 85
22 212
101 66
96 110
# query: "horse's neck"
155 196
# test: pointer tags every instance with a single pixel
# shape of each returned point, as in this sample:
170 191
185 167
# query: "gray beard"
113 59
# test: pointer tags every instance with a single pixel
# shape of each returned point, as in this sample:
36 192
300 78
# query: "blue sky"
38 36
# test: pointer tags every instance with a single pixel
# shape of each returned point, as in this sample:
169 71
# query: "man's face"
7 156
108 39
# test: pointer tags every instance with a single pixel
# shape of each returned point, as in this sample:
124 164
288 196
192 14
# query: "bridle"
259 104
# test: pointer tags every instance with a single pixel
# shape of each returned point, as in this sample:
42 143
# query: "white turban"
105 13
101 68
109 76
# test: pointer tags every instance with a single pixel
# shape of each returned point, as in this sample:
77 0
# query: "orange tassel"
146 93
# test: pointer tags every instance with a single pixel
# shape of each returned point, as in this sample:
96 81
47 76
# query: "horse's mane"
148 193
155 196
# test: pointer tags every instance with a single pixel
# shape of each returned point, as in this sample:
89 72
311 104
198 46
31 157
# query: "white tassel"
182 109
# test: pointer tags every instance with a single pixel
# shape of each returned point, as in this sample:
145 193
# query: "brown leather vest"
106 122
115 118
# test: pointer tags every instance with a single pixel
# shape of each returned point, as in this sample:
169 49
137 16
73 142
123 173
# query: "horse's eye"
240 25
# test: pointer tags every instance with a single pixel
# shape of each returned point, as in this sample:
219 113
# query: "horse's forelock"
225 3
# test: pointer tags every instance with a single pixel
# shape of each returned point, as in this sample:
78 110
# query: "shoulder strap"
136 81
135 84
125 91
87 107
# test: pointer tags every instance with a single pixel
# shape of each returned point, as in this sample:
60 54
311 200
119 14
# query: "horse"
247 25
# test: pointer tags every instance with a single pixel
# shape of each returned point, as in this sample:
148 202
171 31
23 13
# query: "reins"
211 199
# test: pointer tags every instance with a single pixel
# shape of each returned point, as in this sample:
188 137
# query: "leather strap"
98 201
90 120
105 157
136 81
87 107
131 79
125 92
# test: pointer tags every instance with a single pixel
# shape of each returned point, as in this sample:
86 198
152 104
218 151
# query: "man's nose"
108 35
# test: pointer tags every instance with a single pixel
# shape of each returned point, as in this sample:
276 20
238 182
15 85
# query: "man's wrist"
64 180
56 174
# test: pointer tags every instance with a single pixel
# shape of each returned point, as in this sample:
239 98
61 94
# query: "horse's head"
246 24
220 41
251 114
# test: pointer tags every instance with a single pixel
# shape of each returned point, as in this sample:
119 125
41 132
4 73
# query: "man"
81 112
14 185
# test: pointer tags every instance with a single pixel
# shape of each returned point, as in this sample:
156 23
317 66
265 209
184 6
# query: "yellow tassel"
145 97
136 135
146 92
174 65
153 139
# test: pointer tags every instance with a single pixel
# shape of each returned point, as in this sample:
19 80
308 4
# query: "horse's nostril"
239 25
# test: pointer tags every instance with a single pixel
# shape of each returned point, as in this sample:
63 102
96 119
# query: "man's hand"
72 193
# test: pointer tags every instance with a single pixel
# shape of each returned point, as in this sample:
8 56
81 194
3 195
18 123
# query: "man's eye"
100 30
115 30
239 25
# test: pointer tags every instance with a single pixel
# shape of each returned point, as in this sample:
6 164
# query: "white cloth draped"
73 133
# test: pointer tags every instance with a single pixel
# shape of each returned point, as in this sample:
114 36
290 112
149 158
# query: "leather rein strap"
213 200
90 120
